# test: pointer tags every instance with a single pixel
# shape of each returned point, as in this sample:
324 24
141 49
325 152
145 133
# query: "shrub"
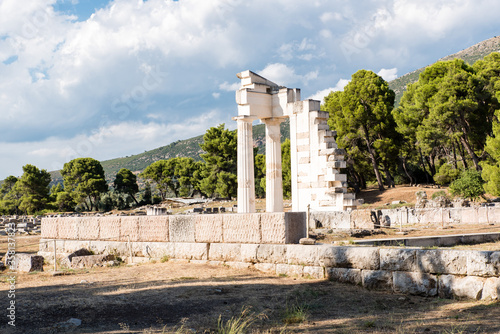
446 174
469 185
440 193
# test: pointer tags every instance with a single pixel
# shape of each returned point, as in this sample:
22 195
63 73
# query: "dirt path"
144 298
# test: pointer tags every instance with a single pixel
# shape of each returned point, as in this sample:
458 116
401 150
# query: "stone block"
66 261
469 287
224 252
332 219
208 228
67 228
49 228
295 223
266 267
88 228
241 228
442 261
314 272
238 265
191 251
267 253
491 289
28 262
479 264
117 248
273 228
156 250
182 228
249 252
129 228
398 259
415 283
289 270
306 255
377 279
345 275
361 219
109 228
91 261
350 257
153 228
495 261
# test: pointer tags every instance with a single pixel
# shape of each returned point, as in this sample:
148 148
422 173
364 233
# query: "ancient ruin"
316 158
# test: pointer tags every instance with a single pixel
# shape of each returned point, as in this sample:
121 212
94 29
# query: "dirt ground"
176 297
180 297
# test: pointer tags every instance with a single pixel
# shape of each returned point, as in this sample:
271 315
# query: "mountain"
469 55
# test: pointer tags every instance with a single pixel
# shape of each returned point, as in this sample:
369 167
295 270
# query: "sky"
108 79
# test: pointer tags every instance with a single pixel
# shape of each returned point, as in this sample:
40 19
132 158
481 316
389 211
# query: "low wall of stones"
265 228
364 219
428 272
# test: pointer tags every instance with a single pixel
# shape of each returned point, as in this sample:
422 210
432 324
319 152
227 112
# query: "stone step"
336 177
332 151
327 145
336 164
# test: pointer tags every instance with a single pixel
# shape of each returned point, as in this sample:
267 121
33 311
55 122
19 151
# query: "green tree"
126 183
286 165
85 180
10 196
219 175
34 189
468 185
361 115
64 202
260 175
184 172
7 185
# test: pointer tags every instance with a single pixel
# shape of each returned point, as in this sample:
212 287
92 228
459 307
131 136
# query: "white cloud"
216 95
285 75
230 87
388 74
320 95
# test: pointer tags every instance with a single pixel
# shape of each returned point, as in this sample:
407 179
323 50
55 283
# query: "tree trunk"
422 160
403 164
389 178
374 160
471 153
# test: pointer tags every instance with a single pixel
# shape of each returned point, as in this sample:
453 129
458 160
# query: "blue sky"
107 79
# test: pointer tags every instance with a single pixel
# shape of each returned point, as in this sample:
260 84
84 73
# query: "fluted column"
246 183
274 183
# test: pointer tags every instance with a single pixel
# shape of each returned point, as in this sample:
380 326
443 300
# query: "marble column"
274 183
246 178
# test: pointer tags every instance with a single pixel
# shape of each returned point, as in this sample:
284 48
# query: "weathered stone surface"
191 251
154 228
415 283
241 228
66 261
314 272
117 248
129 228
28 262
249 252
377 279
479 264
157 250
361 219
239 265
267 253
109 228
442 261
49 228
451 286
266 267
495 261
398 259
208 228
273 228
491 289
289 270
90 261
67 228
181 228
88 228
303 255
332 219
295 223
350 257
345 275
225 252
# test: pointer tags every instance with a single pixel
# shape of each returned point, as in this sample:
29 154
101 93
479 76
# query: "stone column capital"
248 119
273 120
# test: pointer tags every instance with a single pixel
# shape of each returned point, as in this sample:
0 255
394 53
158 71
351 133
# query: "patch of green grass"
238 324
164 258
369 324
295 313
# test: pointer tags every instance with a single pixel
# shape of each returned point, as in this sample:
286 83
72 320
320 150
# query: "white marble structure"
316 160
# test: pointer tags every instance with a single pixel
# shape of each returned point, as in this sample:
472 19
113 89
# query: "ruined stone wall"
428 272
275 228
362 219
